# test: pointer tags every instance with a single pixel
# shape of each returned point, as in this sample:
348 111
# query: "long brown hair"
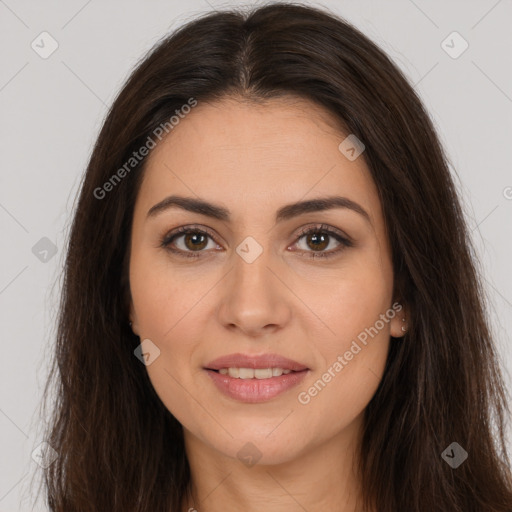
119 448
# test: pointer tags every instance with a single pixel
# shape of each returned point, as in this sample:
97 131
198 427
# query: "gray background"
52 109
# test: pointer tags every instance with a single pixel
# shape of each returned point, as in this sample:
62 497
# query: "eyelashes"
169 239
323 231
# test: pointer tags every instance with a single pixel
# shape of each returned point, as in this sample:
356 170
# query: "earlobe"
133 319
399 324
134 328
404 325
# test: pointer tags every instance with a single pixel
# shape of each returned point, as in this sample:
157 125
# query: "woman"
270 298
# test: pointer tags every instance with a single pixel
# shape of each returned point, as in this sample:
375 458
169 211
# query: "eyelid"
183 230
343 239
324 228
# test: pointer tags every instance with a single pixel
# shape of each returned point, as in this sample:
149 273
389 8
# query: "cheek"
353 360
353 305
165 314
159 295
353 353
168 305
337 397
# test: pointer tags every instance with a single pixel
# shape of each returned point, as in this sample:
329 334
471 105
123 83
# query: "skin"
253 159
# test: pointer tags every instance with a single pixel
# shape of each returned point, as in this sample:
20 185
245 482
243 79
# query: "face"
243 282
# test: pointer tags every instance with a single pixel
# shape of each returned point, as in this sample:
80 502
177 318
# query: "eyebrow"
287 212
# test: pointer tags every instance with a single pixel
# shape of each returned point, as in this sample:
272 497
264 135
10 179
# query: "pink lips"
255 390
261 361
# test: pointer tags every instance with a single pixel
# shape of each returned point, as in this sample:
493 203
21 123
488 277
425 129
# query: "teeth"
251 373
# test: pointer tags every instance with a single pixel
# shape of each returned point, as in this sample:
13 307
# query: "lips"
255 361
254 387
253 391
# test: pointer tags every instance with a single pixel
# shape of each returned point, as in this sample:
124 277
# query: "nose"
254 300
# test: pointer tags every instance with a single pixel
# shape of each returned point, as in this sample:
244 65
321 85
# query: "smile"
253 373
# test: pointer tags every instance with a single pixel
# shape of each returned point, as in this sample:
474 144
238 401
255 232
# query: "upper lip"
255 361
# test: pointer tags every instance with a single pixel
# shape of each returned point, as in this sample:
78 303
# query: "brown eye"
185 241
195 241
318 238
318 241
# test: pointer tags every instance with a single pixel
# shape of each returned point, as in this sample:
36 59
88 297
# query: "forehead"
247 155
275 132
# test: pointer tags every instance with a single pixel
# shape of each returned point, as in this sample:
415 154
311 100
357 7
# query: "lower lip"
256 390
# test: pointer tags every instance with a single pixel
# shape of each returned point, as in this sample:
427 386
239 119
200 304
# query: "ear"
133 319
397 322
